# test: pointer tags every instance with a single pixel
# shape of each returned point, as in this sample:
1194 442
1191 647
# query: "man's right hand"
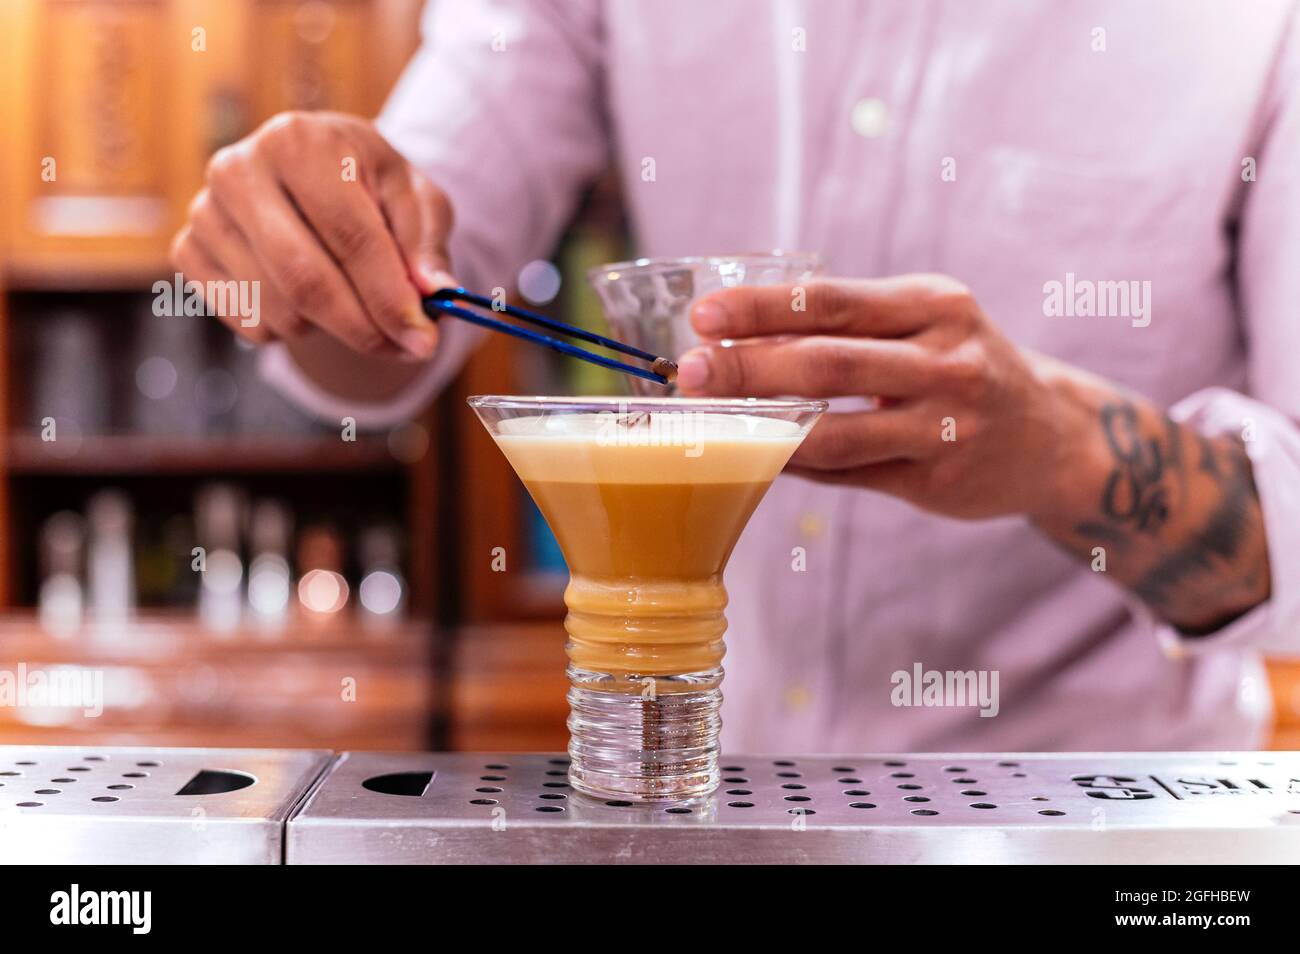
343 234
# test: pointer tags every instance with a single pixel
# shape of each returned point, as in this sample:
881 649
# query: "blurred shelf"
163 636
131 454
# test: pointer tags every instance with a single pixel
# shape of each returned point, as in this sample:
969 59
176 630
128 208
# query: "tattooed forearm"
1177 514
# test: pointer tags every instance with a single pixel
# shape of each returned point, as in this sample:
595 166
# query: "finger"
880 307
420 219
351 225
294 260
199 267
814 366
846 441
222 241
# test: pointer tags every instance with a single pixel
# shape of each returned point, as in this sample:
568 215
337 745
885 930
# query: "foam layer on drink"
646 510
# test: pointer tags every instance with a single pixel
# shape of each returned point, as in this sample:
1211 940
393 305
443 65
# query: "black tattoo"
1134 492
1197 575
1220 539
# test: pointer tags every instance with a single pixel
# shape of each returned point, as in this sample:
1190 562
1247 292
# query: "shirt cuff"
1272 442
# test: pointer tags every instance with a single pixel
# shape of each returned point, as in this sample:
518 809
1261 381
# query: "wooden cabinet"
111 108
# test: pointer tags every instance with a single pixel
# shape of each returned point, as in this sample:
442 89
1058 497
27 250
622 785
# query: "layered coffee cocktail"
647 498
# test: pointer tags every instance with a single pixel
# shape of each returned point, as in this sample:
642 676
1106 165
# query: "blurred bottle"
382 591
62 552
168 360
269 577
322 590
70 378
219 510
109 568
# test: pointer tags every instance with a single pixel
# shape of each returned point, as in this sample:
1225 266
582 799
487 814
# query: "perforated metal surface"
1242 807
125 805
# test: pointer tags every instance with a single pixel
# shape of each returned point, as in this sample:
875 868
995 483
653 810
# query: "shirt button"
811 526
870 118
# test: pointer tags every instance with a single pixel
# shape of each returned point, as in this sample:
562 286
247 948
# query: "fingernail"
693 370
419 344
435 278
709 318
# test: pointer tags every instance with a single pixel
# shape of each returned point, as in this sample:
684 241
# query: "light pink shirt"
829 126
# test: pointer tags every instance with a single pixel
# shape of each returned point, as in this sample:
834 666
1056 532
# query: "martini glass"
647 498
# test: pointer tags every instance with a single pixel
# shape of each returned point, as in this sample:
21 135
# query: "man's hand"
967 424
342 233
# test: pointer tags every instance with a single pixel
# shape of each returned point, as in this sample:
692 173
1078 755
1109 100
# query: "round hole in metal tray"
915 798
843 768
924 811
736 779
555 785
982 805
78 768
678 811
902 775
10 773
492 778
557 773
120 787
801 811
733 768
789 775
740 804
910 787
618 803
1009 764
48 791
496 767
552 796
148 764
488 789
784 763
894 763
974 792
1051 811
1019 775
135 774
550 809
849 780
954 768
24 763
30 804
798 798
793 785
105 798
862 805
94 758
63 781
856 791
482 801
965 781
739 791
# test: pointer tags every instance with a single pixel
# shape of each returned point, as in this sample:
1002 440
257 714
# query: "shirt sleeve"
500 108
1268 276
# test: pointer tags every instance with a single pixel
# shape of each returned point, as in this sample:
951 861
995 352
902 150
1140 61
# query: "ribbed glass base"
651 738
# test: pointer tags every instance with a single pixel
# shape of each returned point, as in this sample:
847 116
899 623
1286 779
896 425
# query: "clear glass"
647 301
647 498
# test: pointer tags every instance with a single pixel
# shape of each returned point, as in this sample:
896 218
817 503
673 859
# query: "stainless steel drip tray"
111 805
1130 808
